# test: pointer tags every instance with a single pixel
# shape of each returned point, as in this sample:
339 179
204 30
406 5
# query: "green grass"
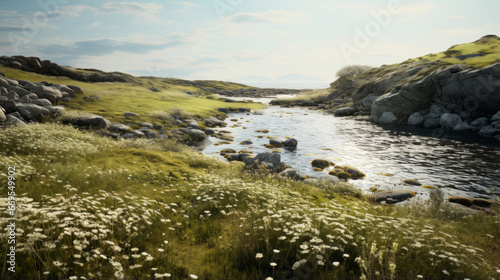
489 48
117 98
89 206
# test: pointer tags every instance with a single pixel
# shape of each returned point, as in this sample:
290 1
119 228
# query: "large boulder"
119 127
197 135
13 121
290 143
55 111
388 117
457 90
9 106
32 112
76 89
449 121
88 121
392 196
50 93
19 90
65 89
41 102
3 82
415 119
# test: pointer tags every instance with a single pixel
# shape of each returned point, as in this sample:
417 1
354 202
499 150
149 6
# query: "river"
457 163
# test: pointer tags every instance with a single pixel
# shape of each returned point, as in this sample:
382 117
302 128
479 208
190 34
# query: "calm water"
458 164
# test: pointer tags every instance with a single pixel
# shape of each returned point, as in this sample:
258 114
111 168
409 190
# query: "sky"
249 41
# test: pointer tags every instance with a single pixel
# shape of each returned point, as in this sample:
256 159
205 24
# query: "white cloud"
184 3
461 31
272 16
458 16
95 24
139 11
417 9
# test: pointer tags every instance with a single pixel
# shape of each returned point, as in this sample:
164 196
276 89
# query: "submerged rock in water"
392 196
321 163
412 182
470 202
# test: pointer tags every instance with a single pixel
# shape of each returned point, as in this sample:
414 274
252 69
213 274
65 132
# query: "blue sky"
239 40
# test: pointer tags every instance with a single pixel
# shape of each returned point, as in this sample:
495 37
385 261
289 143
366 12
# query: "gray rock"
66 99
223 110
387 117
449 121
13 121
138 133
89 121
151 135
128 136
163 136
41 102
30 86
197 135
194 125
496 117
367 102
12 82
9 106
32 112
290 142
55 111
3 90
329 179
148 125
290 173
76 89
392 196
433 118
50 93
212 122
26 99
119 127
415 119
11 95
489 131
3 82
275 142
19 90
463 126
346 111
32 96
209 131
65 89
480 122
130 114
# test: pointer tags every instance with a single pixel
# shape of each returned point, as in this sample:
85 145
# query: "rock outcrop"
46 67
457 93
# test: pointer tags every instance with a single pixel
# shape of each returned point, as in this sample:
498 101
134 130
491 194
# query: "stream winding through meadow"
465 165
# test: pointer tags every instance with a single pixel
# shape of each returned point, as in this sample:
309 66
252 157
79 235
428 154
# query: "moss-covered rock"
321 163
412 182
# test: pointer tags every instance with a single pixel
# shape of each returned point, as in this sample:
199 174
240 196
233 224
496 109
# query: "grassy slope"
489 48
124 198
89 206
117 98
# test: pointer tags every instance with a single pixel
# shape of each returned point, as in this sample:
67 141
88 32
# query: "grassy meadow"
90 207
93 208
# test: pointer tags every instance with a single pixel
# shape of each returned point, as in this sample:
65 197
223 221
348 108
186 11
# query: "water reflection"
459 164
